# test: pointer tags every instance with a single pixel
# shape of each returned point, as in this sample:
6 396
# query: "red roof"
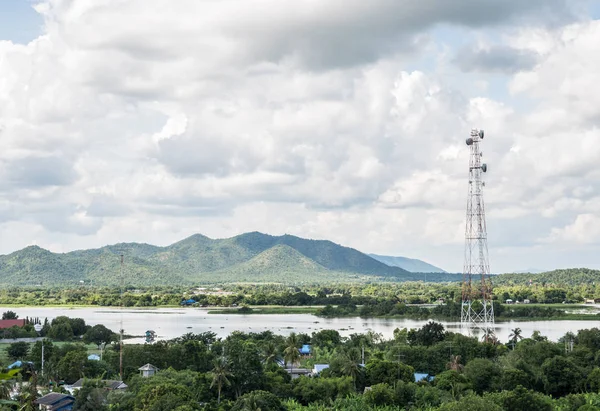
11 323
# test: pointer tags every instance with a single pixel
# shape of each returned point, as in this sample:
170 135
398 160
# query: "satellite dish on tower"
484 168
481 134
469 141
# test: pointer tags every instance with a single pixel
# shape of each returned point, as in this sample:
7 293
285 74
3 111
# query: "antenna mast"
477 311
121 324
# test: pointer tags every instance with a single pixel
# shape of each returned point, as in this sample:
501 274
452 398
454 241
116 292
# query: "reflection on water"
173 322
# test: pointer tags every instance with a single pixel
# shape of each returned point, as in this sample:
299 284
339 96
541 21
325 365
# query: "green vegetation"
241 372
252 257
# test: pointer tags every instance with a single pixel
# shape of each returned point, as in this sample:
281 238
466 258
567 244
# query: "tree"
18 350
270 353
482 373
61 331
72 366
515 336
455 364
380 394
561 376
350 365
159 395
220 372
99 334
428 335
91 396
291 353
471 403
521 399
388 372
9 315
453 382
326 338
258 401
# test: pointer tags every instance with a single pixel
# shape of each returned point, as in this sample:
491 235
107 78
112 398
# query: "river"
174 322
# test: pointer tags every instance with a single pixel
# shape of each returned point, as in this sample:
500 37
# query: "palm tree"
291 353
351 364
220 372
455 364
489 336
270 353
515 336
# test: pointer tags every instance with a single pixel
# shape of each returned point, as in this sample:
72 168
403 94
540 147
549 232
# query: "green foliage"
9 315
427 335
258 401
521 399
99 334
308 390
389 372
471 403
248 257
483 374
18 350
561 376
380 394
91 396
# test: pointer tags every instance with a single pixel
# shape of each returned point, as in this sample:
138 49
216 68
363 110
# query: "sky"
346 120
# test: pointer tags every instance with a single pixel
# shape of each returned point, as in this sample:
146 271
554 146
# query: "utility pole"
477 310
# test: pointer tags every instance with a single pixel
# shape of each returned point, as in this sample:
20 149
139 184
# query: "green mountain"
568 276
408 264
250 257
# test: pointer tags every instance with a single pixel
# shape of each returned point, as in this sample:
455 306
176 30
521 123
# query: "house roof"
18 364
298 371
53 399
148 367
12 323
110 384
305 349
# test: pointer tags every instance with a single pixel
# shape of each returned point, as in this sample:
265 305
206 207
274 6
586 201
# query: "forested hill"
250 257
570 276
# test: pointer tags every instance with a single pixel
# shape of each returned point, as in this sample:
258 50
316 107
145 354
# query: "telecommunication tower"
477 311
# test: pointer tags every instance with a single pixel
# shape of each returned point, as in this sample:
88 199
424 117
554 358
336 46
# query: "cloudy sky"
151 120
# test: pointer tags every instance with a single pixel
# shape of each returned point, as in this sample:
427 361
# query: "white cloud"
149 121
584 230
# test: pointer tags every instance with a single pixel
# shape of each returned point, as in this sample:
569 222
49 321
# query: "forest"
419 369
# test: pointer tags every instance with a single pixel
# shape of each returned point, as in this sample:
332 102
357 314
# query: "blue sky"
19 22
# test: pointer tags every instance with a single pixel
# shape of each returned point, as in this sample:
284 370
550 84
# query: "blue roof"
305 349
18 364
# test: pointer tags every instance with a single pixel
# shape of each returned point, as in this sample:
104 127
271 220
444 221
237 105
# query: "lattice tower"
477 311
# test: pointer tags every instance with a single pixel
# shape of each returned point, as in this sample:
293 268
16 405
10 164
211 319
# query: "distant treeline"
384 295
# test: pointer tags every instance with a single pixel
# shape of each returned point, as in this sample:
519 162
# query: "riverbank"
585 313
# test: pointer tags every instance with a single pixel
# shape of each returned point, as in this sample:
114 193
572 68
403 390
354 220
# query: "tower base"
476 316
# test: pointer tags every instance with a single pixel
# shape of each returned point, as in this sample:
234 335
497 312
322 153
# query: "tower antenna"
121 324
477 310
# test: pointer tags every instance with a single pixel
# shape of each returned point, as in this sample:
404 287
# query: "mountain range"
249 257
408 264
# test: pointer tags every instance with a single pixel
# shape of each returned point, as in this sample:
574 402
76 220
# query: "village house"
56 402
11 323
